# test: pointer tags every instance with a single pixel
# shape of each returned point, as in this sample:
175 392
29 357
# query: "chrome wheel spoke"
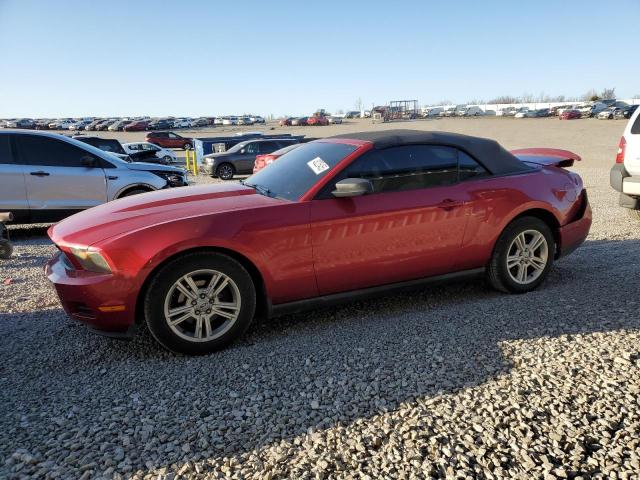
538 263
178 310
179 320
197 332
513 260
522 273
186 289
520 243
536 242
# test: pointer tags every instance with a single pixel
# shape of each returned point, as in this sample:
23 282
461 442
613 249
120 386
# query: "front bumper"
573 234
105 302
207 169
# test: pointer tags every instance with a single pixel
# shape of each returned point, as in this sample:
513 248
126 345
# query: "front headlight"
174 179
90 259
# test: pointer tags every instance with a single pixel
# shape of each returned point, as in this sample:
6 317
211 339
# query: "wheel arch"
135 186
262 299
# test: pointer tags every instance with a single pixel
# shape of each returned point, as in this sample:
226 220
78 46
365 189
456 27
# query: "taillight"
622 146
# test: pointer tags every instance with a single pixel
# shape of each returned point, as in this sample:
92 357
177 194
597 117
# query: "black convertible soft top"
488 152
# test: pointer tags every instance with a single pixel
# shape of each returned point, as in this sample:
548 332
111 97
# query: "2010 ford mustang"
336 218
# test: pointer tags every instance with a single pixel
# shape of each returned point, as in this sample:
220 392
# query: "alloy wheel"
202 305
527 257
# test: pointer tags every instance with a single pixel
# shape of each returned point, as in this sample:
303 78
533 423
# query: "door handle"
112 177
40 173
449 204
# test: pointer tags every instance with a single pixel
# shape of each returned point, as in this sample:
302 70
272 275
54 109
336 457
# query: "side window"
407 167
134 147
268 147
635 128
37 150
172 135
5 149
469 168
251 148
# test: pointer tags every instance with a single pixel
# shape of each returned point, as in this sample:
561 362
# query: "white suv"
625 174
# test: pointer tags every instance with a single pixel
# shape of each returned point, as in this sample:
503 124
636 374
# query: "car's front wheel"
225 171
167 159
188 146
199 303
522 256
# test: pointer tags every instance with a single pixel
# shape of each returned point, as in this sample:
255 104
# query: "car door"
13 190
173 141
409 227
57 180
246 157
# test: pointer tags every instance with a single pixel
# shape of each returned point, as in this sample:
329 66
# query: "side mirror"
243 151
88 162
352 187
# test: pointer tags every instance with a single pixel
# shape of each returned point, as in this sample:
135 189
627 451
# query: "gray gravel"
456 381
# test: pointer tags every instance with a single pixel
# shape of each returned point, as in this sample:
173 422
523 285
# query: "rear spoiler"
547 156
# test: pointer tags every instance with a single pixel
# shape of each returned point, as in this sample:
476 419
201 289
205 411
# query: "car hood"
138 212
144 166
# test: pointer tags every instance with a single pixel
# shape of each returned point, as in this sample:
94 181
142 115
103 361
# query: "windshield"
297 171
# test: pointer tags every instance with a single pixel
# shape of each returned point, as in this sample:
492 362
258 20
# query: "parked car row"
126 124
317 120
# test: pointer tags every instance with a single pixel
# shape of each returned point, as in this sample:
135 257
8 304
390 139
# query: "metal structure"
396 110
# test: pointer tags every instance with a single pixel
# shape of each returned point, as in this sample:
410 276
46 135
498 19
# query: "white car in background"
334 120
506 112
183 123
230 121
165 154
625 174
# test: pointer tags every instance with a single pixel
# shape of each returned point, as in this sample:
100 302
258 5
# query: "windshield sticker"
318 165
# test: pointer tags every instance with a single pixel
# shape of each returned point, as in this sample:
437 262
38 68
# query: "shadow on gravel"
293 374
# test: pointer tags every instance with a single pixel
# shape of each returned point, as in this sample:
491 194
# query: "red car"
337 218
570 115
268 158
169 140
137 126
285 122
318 120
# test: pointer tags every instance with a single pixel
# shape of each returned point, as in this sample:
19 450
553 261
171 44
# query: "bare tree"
608 93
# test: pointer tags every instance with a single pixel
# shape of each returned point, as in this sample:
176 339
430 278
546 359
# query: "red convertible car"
334 219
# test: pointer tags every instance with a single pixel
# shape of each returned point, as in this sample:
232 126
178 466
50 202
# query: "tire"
510 279
215 331
187 146
225 171
6 249
635 214
167 159
135 191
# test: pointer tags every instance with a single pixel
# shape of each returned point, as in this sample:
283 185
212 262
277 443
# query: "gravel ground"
456 381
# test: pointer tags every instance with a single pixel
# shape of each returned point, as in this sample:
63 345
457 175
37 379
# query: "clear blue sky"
128 57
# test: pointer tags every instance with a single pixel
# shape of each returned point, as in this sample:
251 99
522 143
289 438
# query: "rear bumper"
104 302
573 234
628 185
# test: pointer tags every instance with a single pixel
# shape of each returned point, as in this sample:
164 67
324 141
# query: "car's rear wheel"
199 303
225 171
167 158
522 256
187 146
